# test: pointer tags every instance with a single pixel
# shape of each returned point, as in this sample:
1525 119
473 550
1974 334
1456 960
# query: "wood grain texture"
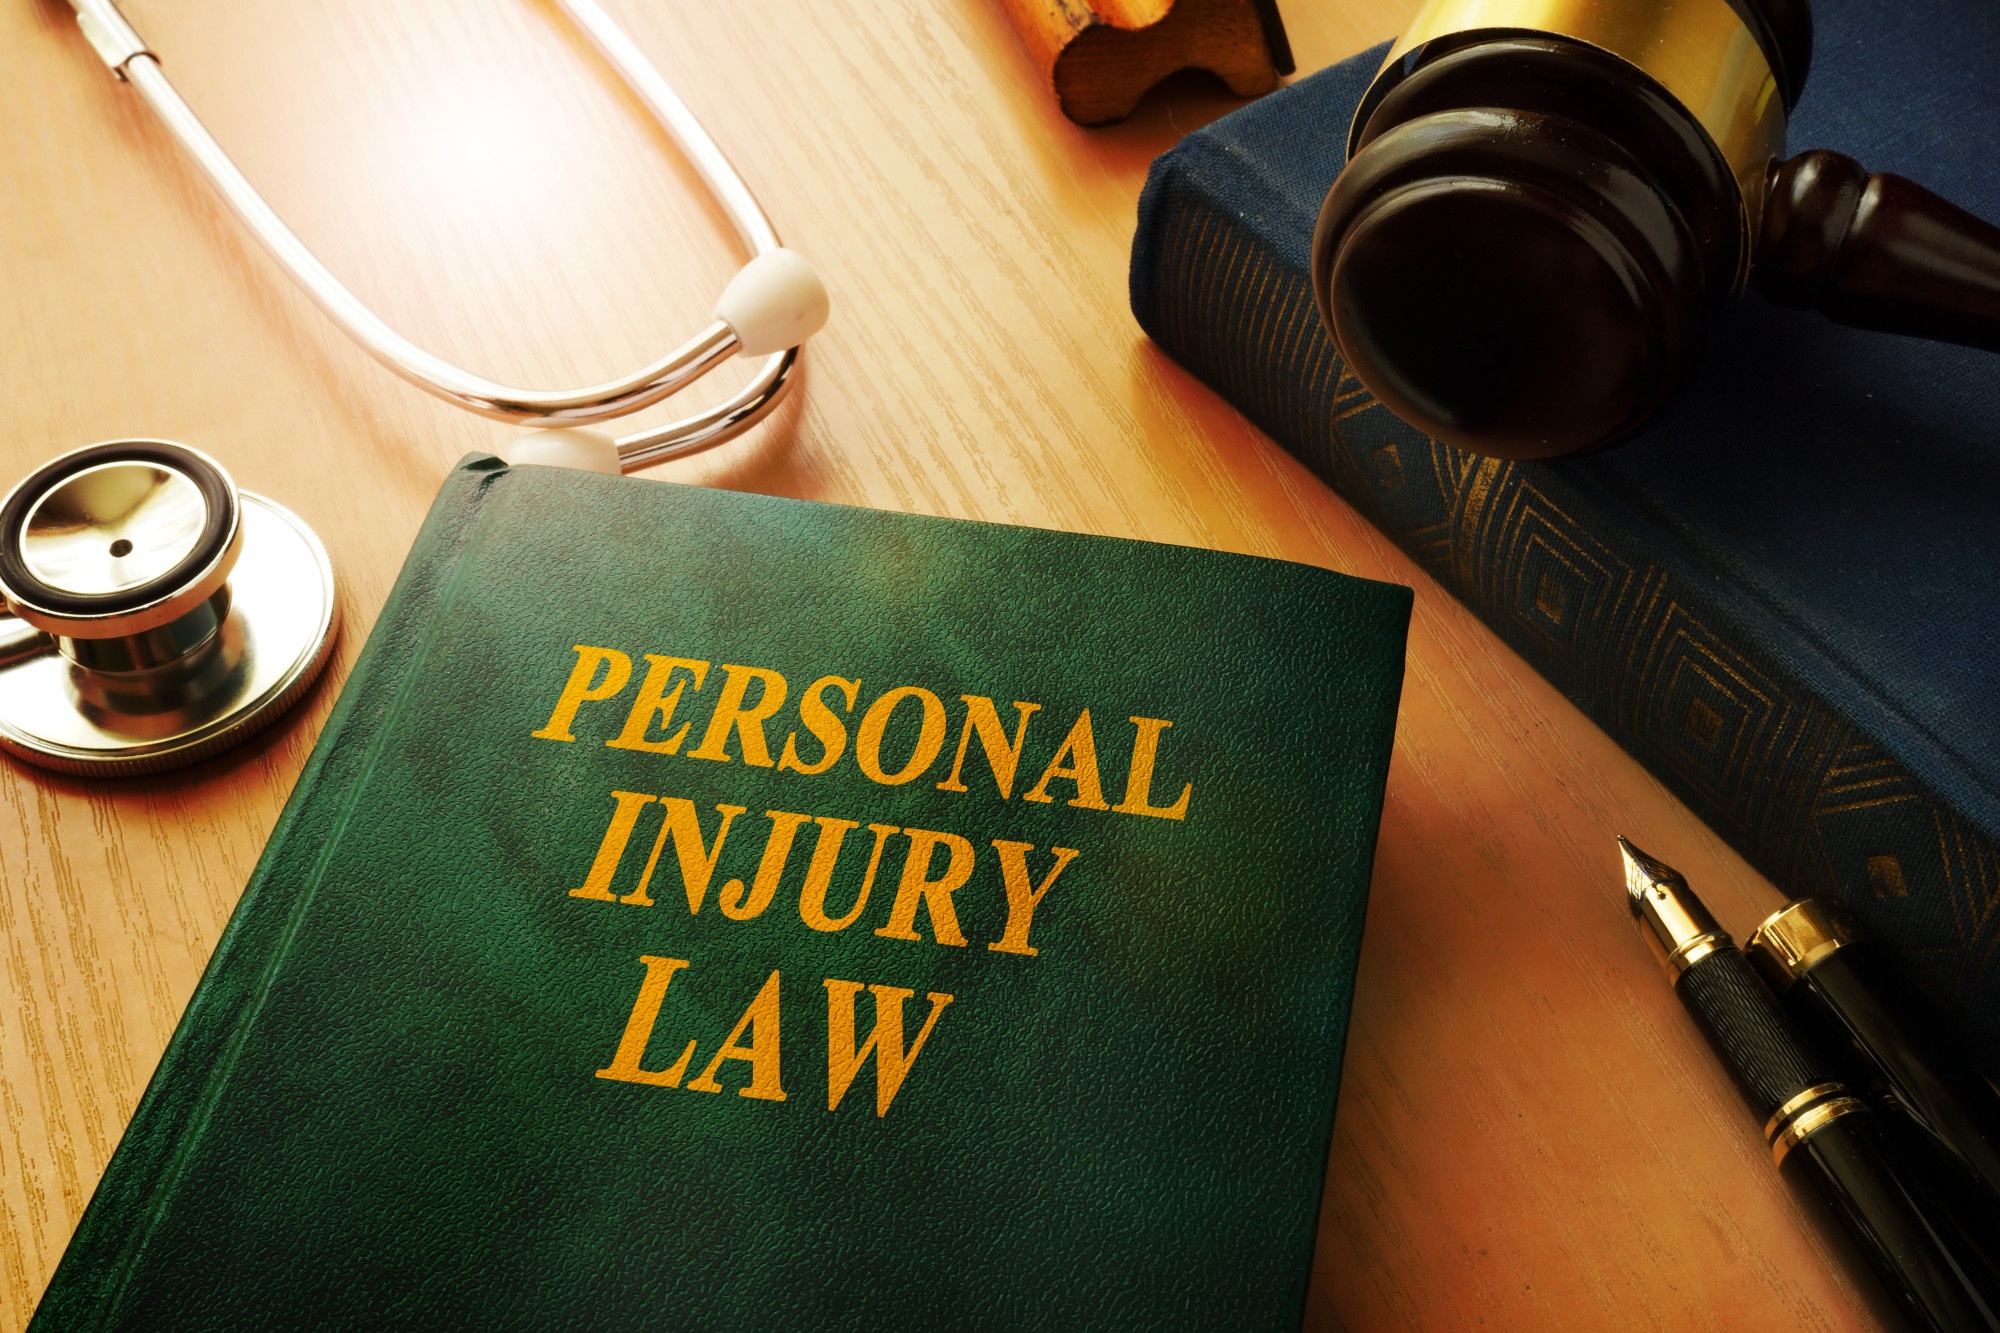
1100 57
1530 1134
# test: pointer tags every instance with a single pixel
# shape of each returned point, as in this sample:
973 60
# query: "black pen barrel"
1927 1271
1822 1132
1741 1021
1887 1041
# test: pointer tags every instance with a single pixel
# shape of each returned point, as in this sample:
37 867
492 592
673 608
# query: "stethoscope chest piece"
160 614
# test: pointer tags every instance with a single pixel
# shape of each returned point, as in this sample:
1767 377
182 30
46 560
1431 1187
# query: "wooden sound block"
1102 55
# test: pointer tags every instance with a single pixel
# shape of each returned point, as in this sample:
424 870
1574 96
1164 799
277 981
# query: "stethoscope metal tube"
126 54
152 614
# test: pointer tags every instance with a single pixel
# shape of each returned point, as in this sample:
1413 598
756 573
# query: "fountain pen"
1844 994
1818 1131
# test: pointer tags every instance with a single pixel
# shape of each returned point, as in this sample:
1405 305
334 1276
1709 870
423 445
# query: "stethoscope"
160 614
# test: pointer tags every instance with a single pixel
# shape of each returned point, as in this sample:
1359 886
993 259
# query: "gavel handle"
1877 252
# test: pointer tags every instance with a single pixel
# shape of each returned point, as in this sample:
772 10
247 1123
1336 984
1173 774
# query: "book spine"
1651 649
112 1233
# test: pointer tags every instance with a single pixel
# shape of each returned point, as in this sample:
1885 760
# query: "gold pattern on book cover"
1828 812
1846 817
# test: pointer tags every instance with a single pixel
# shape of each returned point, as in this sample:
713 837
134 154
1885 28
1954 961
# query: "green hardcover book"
715 911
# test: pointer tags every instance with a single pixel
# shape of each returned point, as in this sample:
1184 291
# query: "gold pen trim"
1810 1122
1699 51
1685 957
1797 1103
1794 939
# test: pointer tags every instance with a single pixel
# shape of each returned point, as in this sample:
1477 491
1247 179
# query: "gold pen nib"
1676 922
1643 874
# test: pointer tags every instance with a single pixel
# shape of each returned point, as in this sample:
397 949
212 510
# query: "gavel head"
1543 202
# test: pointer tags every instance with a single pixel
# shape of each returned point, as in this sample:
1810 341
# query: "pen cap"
1794 939
1841 992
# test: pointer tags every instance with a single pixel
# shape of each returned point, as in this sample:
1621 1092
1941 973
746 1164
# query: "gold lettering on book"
753 700
657 701
697 863
761 1054
1002 756
626 1064
922 885
611 848
746 720
885 1040
770 868
584 686
918 887
749 710
1022 899
930 735
1139 778
828 730
819 874
763 1050
1080 749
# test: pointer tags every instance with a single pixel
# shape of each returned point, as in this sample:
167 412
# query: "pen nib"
1670 916
1643 875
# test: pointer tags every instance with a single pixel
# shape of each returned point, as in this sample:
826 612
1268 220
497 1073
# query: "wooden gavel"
1546 200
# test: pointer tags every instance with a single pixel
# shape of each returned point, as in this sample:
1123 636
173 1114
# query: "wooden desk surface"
1530 1133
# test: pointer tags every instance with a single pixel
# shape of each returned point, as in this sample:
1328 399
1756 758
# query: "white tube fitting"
775 301
566 446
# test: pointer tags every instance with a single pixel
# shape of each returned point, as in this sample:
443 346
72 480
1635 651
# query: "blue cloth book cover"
1781 596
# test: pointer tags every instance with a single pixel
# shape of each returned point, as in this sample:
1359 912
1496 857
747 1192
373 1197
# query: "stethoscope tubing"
126 54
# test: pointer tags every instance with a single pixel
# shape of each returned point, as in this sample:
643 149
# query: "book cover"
708 910
1780 598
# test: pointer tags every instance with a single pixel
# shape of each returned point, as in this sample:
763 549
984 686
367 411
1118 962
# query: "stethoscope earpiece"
160 614
773 304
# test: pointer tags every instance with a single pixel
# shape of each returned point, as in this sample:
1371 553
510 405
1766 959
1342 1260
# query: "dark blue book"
1784 598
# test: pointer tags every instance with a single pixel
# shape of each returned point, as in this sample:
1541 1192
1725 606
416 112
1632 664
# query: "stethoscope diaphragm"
159 613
